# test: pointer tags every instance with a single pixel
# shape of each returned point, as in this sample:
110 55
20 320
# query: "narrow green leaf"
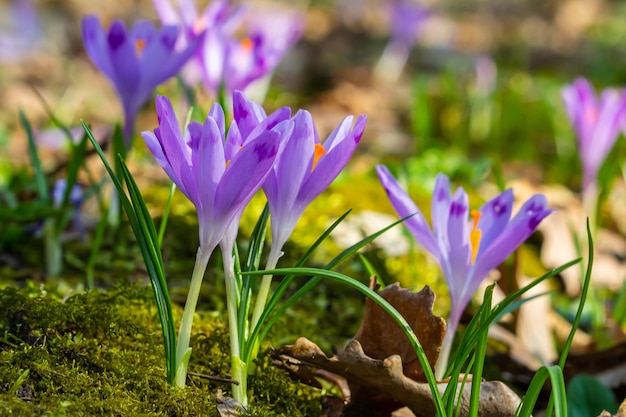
583 298
374 296
166 213
145 233
529 400
40 175
371 270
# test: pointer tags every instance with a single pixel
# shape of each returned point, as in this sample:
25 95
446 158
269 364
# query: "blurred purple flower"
596 123
25 36
486 74
465 251
241 44
217 18
406 20
135 61
217 176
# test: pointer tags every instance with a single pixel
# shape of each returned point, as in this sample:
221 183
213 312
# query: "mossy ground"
100 353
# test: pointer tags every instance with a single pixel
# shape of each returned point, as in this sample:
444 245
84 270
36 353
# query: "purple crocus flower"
24 37
217 20
135 61
596 123
305 168
406 20
217 176
240 45
465 250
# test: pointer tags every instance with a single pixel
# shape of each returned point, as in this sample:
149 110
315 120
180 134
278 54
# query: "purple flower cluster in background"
241 43
223 46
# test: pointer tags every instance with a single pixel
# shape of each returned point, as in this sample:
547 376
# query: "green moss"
100 353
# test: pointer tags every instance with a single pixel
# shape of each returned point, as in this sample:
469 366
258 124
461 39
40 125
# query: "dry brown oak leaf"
381 366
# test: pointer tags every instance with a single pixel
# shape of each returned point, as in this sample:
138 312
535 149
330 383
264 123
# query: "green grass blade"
166 213
529 400
282 287
374 296
33 153
145 233
583 297
371 269
479 354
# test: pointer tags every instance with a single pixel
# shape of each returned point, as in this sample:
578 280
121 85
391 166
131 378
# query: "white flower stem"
239 369
266 282
444 355
184 333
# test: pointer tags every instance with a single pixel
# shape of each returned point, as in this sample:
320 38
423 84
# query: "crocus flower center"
318 152
140 45
475 234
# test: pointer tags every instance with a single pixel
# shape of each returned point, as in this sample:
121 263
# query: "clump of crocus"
136 61
241 44
466 250
219 175
597 123
406 19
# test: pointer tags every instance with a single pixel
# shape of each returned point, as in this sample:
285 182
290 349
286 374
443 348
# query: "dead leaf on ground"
386 376
381 367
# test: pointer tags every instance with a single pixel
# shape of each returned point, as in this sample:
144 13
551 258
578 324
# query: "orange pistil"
140 45
318 152
226 164
475 234
247 44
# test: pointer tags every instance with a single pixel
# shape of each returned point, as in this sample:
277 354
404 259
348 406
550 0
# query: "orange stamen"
247 44
140 44
200 25
226 164
318 152
475 234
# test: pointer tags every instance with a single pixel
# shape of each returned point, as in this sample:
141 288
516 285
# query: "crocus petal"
217 113
155 147
404 206
246 173
495 216
159 61
458 251
124 61
331 164
247 115
96 46
440 209
517 231
174 148
292 166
